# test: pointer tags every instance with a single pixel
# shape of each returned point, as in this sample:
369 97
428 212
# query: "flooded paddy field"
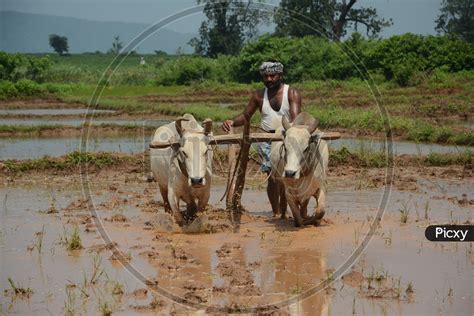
120 253
127 257
33 148
53 112
38 147
80 122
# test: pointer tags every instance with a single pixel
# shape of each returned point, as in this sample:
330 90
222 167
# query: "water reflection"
51 111
79 122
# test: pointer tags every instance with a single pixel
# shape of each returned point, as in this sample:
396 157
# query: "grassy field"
437 110
102 61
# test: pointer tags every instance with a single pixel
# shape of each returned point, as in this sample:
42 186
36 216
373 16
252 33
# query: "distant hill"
28 33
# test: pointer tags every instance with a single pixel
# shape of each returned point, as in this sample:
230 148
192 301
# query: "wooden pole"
231 158
236 205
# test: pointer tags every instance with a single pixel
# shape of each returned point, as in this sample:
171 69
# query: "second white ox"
300 164
183 171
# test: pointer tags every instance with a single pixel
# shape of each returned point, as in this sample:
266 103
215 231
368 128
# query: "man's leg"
272 185
274 196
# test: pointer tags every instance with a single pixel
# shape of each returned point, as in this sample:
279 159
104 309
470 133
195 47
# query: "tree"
117 46
58 43
160 52
457 18
229 24
326 18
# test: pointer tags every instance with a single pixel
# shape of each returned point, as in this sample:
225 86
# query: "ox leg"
304 209
174 204
203 201
320 208
166 202
191 208
295 210
283 202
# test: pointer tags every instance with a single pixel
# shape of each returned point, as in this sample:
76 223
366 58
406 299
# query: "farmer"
273 102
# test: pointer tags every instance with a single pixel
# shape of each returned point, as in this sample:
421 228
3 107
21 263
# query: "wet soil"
136 260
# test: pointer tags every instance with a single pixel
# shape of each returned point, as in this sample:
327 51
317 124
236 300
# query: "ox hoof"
180 223
298 224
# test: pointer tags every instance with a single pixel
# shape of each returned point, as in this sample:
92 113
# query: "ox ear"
312 127
207 123
285 123
178 122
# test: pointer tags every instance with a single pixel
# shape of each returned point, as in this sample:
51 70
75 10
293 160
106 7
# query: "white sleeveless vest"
271 119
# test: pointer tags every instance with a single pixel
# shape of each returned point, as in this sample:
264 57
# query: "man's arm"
243 117
294 99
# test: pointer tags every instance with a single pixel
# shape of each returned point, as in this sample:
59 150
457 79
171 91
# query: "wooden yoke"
251 138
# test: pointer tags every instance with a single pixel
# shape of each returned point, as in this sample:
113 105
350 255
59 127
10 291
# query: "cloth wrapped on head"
270 68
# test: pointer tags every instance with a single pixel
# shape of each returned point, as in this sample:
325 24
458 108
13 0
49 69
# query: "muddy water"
267 262
51 111
399 147
80 122
32 148
53 272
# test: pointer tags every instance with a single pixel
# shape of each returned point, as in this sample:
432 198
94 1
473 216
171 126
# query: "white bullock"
183 171
300 164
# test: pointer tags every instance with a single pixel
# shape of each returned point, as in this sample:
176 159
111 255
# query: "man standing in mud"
273 102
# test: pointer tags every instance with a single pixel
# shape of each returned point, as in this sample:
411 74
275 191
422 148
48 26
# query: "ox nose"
197 181
290 173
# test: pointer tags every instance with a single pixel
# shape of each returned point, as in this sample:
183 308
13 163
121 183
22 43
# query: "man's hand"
227 125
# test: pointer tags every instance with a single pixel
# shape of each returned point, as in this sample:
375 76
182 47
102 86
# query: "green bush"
7 89
406 59
191 69
15 67
62 89
401 57
307 58
28 88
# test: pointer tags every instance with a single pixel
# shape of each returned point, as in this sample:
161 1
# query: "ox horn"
285 123
179 128
207 123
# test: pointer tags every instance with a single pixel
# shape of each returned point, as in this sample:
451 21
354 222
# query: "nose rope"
312 162
282 148
181 163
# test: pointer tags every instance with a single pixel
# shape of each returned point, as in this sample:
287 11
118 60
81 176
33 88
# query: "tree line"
61 46
230 23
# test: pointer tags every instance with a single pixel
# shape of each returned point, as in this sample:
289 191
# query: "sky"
415 16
